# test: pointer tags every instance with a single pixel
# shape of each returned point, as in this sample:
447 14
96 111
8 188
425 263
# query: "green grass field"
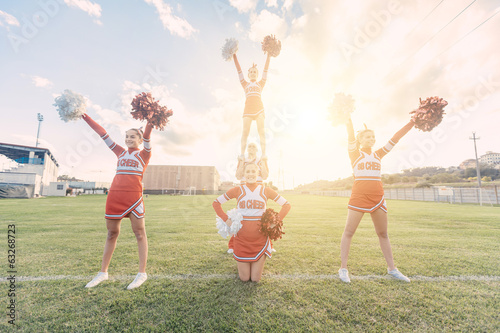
451 252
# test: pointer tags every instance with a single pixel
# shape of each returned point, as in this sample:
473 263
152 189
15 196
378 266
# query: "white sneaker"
395 273
101 276
344 275
139 279
230 251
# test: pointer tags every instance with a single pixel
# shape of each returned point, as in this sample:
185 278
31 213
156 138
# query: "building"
467 164
61 188
181 179
226 186
490 158
35 168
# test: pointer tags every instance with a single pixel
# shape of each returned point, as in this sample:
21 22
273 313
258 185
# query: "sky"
386 54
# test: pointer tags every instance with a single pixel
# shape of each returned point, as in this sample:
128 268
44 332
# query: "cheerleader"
251 246
254 109
125 197
368 195
251 158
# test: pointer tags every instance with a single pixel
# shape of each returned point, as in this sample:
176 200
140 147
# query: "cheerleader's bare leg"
251 271
243 270
139 229
257 268
262 133
113 227
379 218
353 219
247 122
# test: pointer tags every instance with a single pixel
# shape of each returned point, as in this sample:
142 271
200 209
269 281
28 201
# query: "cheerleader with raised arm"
254 108
251 245
125 197
368 195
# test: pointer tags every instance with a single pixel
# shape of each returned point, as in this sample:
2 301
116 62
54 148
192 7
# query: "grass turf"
65 236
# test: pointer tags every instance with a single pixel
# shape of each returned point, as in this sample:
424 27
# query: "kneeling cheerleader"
252 242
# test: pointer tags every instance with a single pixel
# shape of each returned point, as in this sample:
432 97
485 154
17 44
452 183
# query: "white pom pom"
222 226
224 230
236 217
341 108
229 48
70 105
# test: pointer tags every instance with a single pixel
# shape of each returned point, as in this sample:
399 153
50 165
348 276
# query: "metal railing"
457 195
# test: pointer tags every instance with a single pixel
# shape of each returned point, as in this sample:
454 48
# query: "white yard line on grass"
283 277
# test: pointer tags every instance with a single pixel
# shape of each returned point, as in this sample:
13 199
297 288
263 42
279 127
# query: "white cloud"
93 9
6 20
266 23
42 82
244 6
176 25
272 3
287 4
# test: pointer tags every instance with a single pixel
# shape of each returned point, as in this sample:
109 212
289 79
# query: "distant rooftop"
21 154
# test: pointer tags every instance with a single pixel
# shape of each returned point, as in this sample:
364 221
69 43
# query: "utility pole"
478 169
40 119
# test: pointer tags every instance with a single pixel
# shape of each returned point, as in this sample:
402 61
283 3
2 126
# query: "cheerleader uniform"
125 194
367 192
253 91
257 161
250 244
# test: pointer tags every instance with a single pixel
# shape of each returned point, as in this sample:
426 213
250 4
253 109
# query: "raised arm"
103 134
395 139
240 73
351 142
240 169
350 131
264 168
236 63
146 152
266 66
264 73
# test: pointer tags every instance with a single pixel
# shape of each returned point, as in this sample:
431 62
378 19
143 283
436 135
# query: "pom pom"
236 217
229 48
222 226
70 105
144 106
341 108
271 46
224 230
271 225
429 114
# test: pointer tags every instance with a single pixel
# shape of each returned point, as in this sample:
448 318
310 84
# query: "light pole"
40 119
478 169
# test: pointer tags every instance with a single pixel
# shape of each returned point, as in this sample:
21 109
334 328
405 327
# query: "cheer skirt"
249 243
120 204
253 107
367 203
